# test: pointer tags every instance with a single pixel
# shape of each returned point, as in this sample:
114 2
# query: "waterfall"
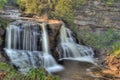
23 47
45 39
69 49
48 61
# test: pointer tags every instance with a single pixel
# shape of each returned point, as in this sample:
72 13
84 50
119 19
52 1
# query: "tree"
2 2
64 10
37 6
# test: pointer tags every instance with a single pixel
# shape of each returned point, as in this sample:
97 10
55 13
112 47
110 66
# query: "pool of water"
75 70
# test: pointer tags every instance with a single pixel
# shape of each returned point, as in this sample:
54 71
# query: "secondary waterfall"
49 62
69 49
23 47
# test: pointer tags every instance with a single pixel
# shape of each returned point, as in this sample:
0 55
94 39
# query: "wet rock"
2 58
2 31
53 30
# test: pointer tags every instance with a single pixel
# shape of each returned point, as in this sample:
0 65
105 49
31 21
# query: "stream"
75 70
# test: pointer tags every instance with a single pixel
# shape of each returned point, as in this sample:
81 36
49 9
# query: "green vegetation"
2 2
37 6
109 39
77 4
60 9
103 40
64 10
108 2
116 49
3 25
34 74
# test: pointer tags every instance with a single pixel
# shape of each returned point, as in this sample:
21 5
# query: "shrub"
116 49
102 40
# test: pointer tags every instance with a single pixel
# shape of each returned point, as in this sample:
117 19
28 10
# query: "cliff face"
97 18
96 15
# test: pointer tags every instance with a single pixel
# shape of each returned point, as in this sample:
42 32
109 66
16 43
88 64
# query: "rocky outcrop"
53 30
97 15
3 25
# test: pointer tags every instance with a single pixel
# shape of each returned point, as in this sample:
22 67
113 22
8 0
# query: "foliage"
2 2
3 23
64 10
116 49
61 9
39 74
37 6
34 74
108 2
78 3
102 40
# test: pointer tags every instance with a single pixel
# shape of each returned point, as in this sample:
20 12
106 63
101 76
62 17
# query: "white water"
49 62
23 47
69 49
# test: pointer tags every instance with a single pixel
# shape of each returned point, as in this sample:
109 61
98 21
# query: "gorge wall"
98 16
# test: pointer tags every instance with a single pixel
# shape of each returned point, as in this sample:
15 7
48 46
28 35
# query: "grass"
34 74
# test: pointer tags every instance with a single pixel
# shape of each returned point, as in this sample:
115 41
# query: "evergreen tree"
37 6
64 10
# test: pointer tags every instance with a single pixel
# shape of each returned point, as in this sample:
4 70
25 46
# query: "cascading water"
23 45
49 62
69 49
